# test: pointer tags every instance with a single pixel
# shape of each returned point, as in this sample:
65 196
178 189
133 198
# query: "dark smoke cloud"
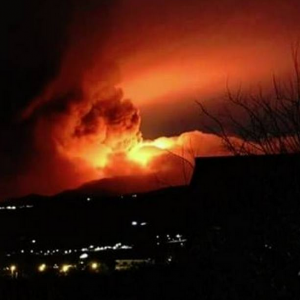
33 39
186 50
54 53
43 42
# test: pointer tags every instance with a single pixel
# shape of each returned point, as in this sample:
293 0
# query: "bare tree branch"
270 123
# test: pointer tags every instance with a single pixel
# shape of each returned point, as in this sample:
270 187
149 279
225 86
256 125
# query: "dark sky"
36 36
161 47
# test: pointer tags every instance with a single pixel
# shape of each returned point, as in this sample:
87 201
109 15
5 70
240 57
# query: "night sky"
163 54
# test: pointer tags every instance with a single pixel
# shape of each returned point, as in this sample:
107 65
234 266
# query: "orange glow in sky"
145 151
163 55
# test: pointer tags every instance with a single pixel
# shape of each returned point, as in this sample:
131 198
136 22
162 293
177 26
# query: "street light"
65 268
94 266
13 270
42 268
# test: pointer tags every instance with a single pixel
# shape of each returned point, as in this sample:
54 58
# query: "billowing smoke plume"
97 132
91 125
94 132
64 119
71 123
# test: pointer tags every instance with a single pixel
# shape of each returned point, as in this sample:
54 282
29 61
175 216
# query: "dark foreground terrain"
206 280
240 218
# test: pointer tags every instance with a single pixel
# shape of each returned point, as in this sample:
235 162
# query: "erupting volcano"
97 130
104 89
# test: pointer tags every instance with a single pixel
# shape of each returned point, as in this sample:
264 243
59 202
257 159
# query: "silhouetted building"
246 177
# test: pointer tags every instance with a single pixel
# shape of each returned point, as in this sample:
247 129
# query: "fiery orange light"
146 151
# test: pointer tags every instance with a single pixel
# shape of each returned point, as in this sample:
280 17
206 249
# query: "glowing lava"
144 152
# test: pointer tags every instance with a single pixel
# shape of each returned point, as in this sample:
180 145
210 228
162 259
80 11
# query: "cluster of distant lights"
178 238
12 207
64 268
136 223
84 250
92 266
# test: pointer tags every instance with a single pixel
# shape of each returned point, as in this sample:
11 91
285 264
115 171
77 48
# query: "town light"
13 268
42 268
84 256
94 266
13 271
65 268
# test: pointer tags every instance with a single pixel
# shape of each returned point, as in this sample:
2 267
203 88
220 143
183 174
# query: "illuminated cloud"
71 121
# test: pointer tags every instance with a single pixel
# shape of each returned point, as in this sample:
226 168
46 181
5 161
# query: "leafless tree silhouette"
270 123
186 164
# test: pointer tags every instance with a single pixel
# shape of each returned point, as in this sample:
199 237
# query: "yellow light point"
65 268
13 268
94 266
42 268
